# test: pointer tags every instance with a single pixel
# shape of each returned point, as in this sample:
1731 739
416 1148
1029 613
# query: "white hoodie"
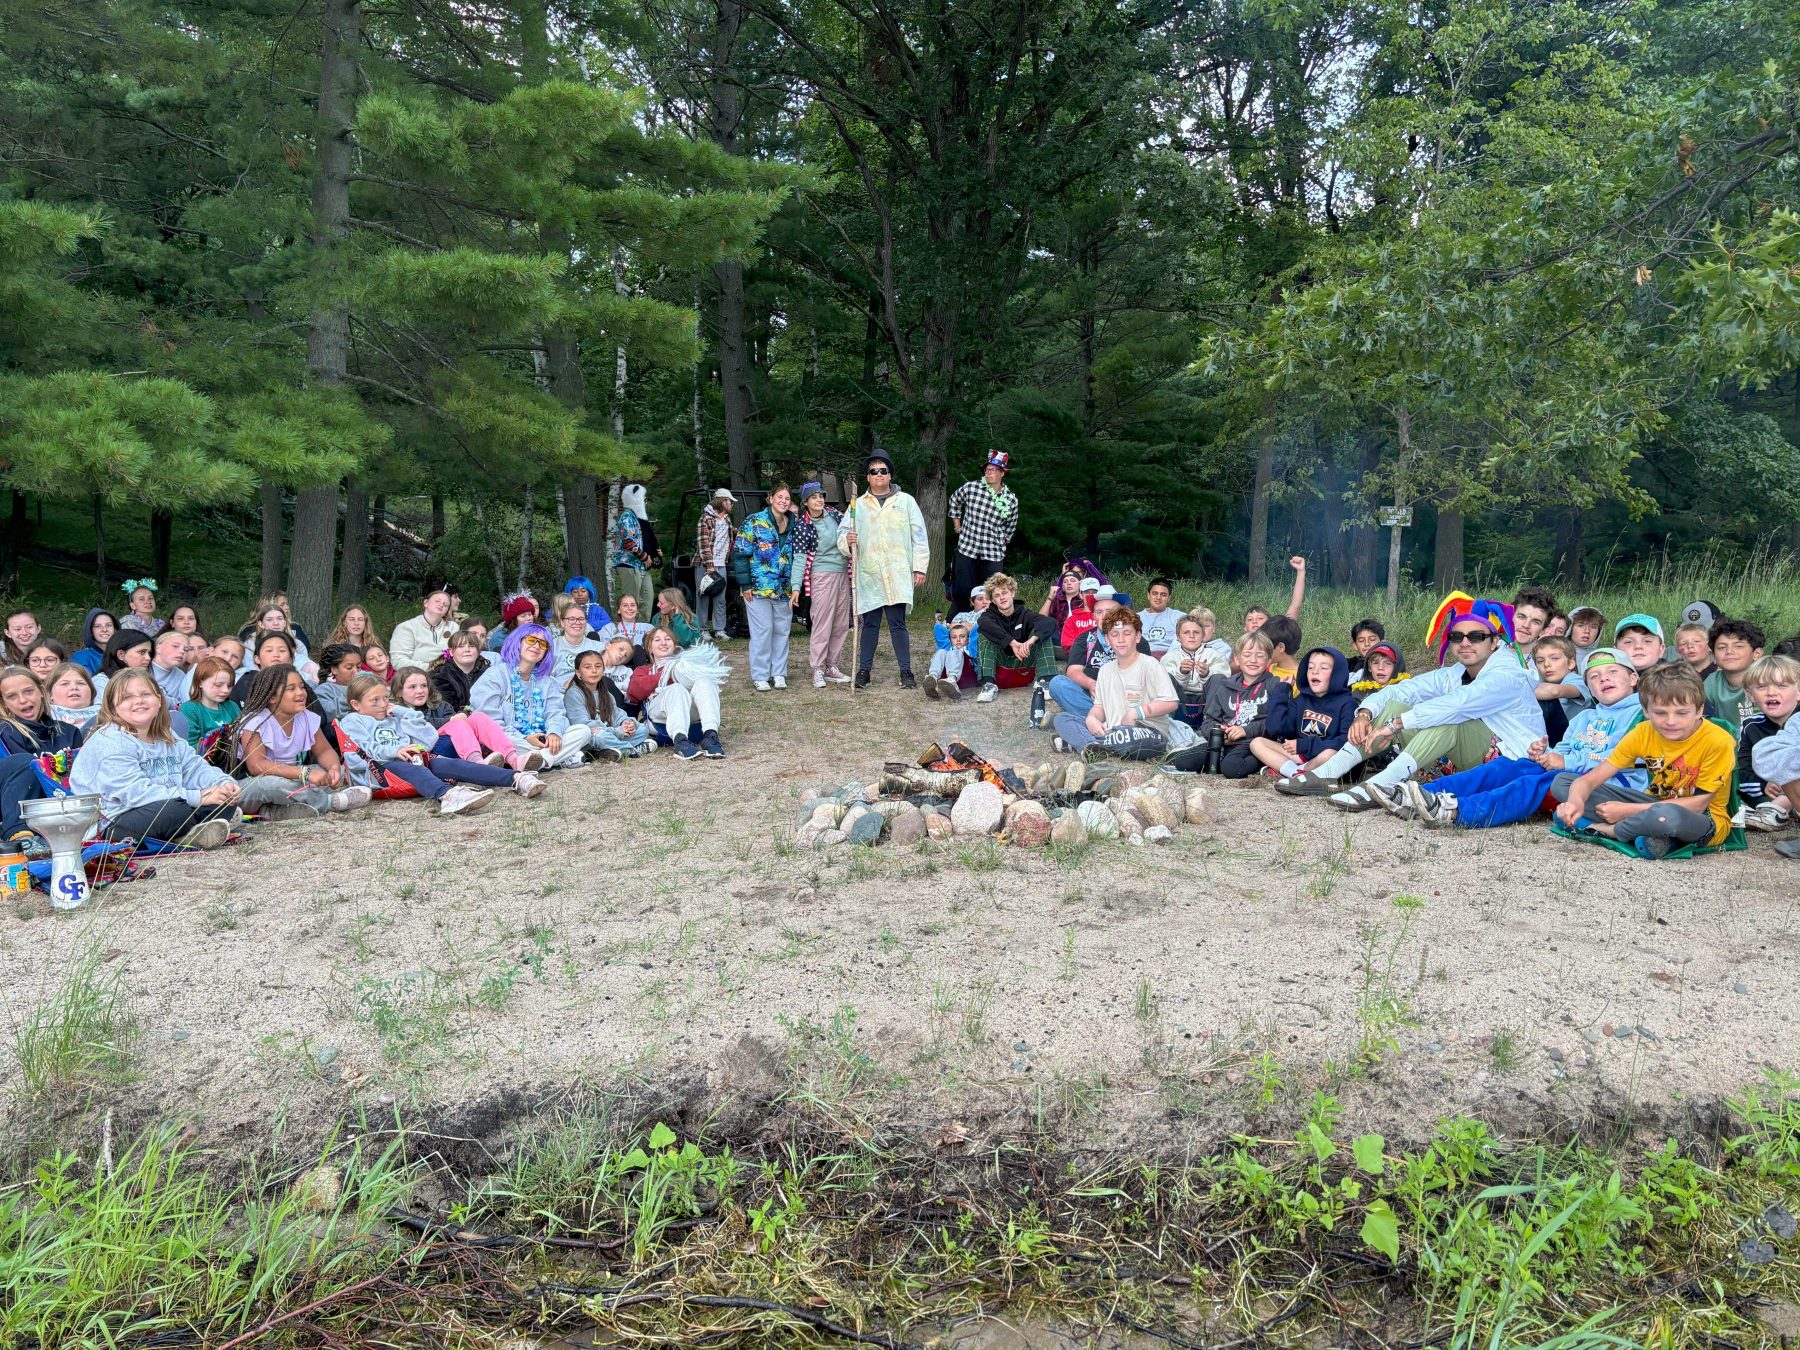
1503 695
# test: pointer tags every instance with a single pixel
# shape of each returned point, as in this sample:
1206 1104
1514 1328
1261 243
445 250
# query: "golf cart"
678 569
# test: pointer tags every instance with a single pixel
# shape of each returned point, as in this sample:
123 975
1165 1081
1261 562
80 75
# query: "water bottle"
1037 704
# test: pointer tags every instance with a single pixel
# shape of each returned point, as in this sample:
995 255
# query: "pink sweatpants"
830 619
474 734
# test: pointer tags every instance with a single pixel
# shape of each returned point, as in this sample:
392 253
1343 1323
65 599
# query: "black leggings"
164 822
871 629
1236 762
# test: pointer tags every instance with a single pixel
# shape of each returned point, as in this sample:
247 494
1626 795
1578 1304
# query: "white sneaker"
989 692
351 798
528 785
836 676
208 834
1765 816
781 682
818 679
461 798
496 758
1060 746
534 760
762 686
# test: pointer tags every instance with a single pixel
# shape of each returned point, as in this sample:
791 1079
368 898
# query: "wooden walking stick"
855 618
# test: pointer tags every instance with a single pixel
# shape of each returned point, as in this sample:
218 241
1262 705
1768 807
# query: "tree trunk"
725 115
353 572
1403 437
610 540
1570 548
528 518
162 533
314 546
1259 498
932 492
273 541
440 523
586 532
100 541
378 530
12 545
865 416
1447 565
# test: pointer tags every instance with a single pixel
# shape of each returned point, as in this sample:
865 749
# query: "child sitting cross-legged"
293 771
1774 682
1316 722
1238 709
150 782
1690 763
1191 662
517 691
588 698
1504 790
473 735
403 745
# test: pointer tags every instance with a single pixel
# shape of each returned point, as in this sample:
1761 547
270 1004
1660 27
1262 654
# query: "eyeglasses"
881 473
1470 635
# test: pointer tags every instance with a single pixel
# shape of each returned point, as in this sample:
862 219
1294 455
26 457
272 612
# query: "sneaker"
531 761
686 748
1062 747
932 691
709 745
949 690
528 785
862 679
907 681
279 811
30 843
495 758
1766 816
989 692
1307 784
462 798
1433 808
781 682
610 753
208 834
1655 850
818 679
762 686
836 676
351 798
1396 801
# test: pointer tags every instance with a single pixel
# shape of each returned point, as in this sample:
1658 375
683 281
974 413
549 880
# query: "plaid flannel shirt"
988 519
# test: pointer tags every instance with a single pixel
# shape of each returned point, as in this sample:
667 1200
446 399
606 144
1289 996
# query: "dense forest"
1228 278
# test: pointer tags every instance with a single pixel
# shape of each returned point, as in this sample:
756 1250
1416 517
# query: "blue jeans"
1500 792
1073 728
1070 697
435 781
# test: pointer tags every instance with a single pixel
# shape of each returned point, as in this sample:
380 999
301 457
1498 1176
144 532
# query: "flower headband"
148 583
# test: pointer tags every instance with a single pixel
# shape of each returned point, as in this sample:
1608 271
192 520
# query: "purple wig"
509 653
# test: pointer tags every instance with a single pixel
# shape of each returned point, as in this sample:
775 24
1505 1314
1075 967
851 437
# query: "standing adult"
884 534
637 552
819 575
983 513
712 544
767 540
421 639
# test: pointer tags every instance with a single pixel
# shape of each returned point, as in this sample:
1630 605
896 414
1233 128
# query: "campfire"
956 791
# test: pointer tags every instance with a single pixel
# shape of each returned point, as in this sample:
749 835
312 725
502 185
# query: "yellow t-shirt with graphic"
1702 763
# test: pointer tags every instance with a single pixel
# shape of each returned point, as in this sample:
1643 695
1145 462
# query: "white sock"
1340 763
1403 767
1289 768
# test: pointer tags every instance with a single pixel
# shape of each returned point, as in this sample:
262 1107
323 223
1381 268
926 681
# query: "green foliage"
82 1037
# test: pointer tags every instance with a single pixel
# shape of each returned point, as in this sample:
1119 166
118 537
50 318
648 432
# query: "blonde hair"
1257 639
1000 581
1764 671
267 601
340 631
1201 614
361 685
22 673
677 602
160 728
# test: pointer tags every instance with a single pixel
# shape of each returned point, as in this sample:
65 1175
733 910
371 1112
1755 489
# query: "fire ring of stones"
957 793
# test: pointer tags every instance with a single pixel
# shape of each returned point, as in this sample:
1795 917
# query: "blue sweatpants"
434 781
1500 792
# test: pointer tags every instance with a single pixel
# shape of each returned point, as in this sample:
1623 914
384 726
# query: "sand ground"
654 919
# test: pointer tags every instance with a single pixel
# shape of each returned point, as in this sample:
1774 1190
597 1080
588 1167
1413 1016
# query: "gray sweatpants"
1658 820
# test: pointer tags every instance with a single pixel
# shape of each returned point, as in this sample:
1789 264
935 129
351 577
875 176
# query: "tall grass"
157 1244
81 1037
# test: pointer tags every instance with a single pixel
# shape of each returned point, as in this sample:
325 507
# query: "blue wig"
597 616
515 641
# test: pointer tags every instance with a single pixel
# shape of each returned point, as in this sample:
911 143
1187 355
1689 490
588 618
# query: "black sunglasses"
1470 635
883 473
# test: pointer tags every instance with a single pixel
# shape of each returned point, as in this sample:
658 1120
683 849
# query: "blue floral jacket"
771 554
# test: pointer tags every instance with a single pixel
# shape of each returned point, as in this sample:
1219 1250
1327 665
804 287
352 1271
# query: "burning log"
945 773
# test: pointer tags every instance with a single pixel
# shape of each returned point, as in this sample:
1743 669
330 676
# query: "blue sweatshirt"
129 773
378 742
1318 722
1592 734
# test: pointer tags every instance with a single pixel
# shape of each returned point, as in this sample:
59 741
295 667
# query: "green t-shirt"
1727 704
201 719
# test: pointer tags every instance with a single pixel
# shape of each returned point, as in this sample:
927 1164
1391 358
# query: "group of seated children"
179 735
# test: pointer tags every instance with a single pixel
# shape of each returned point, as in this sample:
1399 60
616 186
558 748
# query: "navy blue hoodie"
1319 722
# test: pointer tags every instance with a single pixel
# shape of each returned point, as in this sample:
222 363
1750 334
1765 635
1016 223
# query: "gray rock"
1068 829
179 1035
1779 1222
1556 1055
1739 987
826 815
937 825
1074 777
978 810
1097 820
1756 1252
867 829
1159 834
326 1054
1648 1034
1590 1037
828 839
907 825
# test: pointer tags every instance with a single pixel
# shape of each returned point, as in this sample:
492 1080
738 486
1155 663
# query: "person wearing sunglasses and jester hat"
1480 702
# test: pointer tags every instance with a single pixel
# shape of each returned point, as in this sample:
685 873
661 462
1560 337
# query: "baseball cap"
1090 586
1648 622
1607 656
977 590
1102 592
724 492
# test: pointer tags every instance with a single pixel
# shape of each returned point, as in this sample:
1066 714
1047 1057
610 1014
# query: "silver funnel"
64 822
